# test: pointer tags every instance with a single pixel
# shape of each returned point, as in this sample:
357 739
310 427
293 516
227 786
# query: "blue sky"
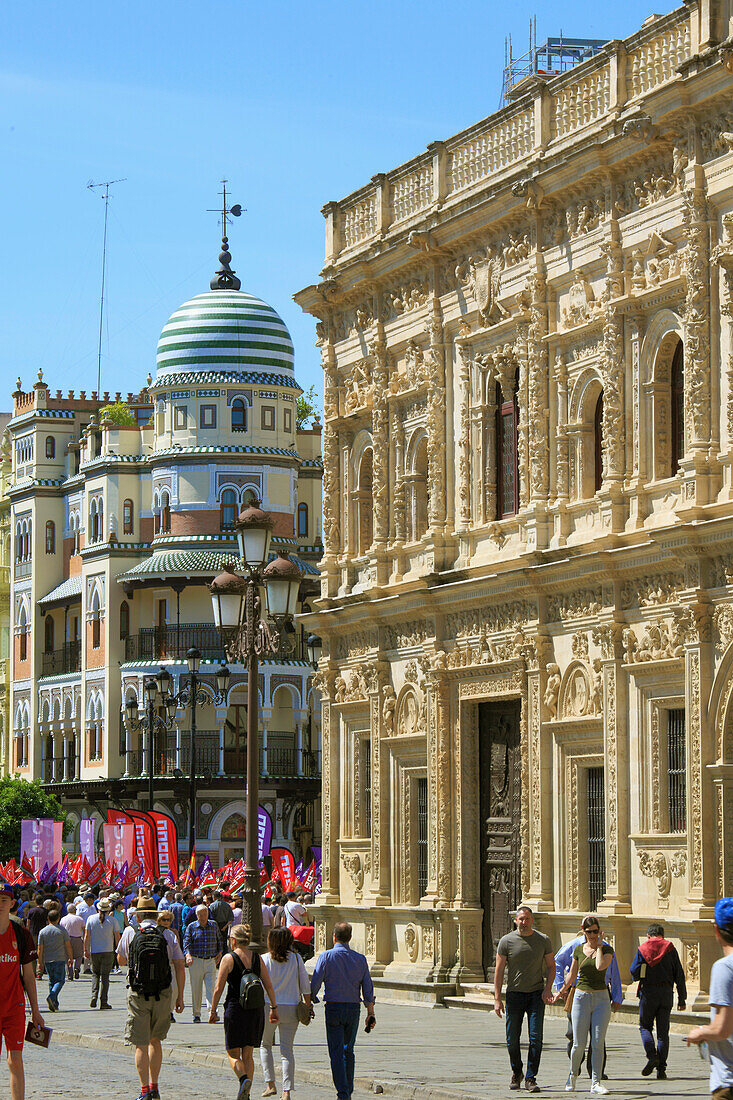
296 104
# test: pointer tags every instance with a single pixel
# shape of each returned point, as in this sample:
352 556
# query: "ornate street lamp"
150 724
248 630
314 645
190 695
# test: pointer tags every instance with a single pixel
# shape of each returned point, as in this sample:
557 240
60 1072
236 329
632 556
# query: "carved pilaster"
330 791
436 420
697 317
464 439
380 790
701 747
540 792
331 486
380 441
562 483
537 404
722 255
398 496
615 736
439 787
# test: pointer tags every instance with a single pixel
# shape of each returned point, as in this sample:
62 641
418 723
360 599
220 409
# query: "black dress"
242 1027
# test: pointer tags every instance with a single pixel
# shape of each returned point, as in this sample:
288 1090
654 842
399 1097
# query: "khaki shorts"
147 1018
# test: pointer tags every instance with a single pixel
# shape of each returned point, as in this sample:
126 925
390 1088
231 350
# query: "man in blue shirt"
563 962
346 977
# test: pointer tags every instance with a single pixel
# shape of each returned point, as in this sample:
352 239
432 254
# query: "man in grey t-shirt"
527 959
54 951
718 1034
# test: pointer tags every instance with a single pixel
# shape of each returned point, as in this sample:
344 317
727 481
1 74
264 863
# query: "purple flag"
86 839
119 883
37 840
264 832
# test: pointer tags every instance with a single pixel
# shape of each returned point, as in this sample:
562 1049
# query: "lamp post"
190 695
247 633
150 723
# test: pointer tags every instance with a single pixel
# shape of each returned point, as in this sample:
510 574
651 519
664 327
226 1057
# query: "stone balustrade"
550 111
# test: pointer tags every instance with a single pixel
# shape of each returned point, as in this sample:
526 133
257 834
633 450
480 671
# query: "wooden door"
500 794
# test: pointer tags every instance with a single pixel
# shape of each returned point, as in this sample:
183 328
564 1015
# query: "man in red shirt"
17 980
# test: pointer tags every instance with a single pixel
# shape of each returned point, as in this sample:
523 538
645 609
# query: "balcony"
58 662
174 642
277 762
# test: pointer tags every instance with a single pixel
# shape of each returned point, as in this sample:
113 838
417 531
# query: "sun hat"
104 906
146 905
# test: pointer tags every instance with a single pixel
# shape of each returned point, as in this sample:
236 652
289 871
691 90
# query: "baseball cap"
6 890
724 914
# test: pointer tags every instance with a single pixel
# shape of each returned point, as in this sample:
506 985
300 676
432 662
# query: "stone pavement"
414 1052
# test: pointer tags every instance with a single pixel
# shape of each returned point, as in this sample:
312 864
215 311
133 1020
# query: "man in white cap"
100 940
202 944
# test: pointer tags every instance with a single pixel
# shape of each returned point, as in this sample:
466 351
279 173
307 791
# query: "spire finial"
225 279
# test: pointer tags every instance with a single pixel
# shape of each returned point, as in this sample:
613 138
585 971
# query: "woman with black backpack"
247 981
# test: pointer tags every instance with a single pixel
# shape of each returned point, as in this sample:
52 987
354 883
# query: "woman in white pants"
289 981
591 1009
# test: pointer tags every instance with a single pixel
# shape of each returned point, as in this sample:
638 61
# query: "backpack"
251 989
149 970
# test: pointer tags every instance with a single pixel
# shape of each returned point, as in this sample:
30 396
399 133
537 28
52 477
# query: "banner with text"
37 840
119 843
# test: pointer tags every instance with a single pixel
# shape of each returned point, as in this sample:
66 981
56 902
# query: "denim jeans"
56 977
342 1024
655 1008
591 1012
517 1004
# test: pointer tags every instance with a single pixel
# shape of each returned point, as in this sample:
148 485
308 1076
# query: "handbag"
304 1012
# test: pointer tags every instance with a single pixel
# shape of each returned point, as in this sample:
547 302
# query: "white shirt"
295 914
85 911
289 979
73 924
171 939
267 918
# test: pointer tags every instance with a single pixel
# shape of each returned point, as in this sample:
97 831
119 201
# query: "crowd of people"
160 934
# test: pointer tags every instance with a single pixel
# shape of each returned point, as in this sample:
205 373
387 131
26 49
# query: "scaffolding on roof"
554 56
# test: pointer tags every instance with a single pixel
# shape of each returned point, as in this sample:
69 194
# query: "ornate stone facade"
527 587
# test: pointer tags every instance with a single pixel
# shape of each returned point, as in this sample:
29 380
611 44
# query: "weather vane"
225 279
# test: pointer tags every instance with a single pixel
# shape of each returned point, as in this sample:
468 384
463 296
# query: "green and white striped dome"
224 329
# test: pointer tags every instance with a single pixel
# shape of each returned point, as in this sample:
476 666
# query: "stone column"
379 706
330 789
380 451
331 482
463 487
539 755
436 417
299 745
696 628
439 790
221 749
722 255
146 752
538 385
179 746
65 760
616 753
77 755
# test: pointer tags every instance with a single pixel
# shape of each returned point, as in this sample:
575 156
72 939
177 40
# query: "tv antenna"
225 212
92 186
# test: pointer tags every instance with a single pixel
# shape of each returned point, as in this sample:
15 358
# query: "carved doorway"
500 795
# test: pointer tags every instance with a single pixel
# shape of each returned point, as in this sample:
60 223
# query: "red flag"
96 871
27 865
132 872
190 876
285 861
166 836
145 845
309 882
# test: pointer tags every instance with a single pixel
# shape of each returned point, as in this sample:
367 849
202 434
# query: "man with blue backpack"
152 954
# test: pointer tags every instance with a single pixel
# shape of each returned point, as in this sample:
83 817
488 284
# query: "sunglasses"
596 930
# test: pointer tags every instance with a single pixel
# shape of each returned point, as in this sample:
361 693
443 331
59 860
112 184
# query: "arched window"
128 517
124 619
419 490
23 634
165 513
598 443
50 447
50 537
365 504
239 415
250 497
228 509
302 521
677 403
507 456
96 621
48 634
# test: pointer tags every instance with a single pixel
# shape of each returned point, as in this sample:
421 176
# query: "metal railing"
59 661
282 760
155 643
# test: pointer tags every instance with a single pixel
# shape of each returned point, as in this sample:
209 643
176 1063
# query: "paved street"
415 1052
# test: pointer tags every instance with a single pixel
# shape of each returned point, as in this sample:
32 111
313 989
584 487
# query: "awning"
168 564
66 592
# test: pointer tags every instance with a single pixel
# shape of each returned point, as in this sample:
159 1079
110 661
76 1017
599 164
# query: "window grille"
596 838
507 468
677 770
422 837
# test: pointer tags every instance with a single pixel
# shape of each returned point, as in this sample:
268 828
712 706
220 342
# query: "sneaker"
244 1089
93 1003
154 1094
197 1019
531 1085
651 1065
105 1006
570 1083
516 1081
661 1074
597 1089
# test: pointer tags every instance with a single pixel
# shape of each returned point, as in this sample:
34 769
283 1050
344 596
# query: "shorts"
12 1027
147 1018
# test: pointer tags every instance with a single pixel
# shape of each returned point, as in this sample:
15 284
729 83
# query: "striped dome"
224 329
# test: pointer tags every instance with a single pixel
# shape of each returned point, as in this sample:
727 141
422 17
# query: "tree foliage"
118 413
19 799
306 406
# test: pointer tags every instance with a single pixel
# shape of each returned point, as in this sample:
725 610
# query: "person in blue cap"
718 1034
